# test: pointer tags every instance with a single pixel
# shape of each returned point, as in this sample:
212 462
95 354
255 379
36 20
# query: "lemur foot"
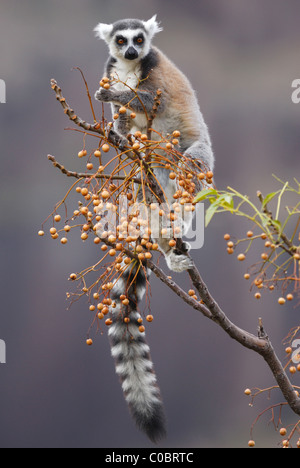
178 262
118 140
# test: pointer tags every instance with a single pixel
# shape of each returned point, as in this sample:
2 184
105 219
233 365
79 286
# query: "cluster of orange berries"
283 431
259 282
131 232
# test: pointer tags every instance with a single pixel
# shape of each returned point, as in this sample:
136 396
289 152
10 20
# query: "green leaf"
277 224
211 211
268 198
204 195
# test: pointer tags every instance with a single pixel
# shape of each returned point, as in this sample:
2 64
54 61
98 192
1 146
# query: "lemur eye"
121 41
140 40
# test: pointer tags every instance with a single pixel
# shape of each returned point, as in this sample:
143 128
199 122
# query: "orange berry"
97 154
73 276
241 257
251 443
89 342
41 233
84 191
57 218
105 194
283 431
293 370
191 292
133 115
247 392
108 322
290 297
149 318
172 243
209 175
82 153
64 240
281 301
105 148
247 276
249 234
227 237
122 110
112 252
53 231
172 175
142 329
257 296
84 236
89 166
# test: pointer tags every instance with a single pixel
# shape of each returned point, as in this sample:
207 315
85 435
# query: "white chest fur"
126 72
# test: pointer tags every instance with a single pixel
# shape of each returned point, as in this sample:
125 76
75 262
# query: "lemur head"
128 39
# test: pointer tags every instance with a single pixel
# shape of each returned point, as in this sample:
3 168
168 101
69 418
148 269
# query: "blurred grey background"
241 57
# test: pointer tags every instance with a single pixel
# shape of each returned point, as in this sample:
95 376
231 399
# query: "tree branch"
82 175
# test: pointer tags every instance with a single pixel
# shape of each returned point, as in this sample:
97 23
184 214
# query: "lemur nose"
131 53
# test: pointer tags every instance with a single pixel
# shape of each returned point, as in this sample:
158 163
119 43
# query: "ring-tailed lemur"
134 61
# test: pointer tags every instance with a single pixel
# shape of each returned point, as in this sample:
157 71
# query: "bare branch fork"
208 306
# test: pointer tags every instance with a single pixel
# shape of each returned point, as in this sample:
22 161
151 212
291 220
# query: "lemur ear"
152 26
103 31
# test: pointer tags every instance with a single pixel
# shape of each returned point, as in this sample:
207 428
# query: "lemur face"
128 39
130 44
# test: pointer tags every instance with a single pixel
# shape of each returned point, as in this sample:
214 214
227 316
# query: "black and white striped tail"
132 357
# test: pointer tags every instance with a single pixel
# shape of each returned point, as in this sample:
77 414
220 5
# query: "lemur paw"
103 95
178 263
